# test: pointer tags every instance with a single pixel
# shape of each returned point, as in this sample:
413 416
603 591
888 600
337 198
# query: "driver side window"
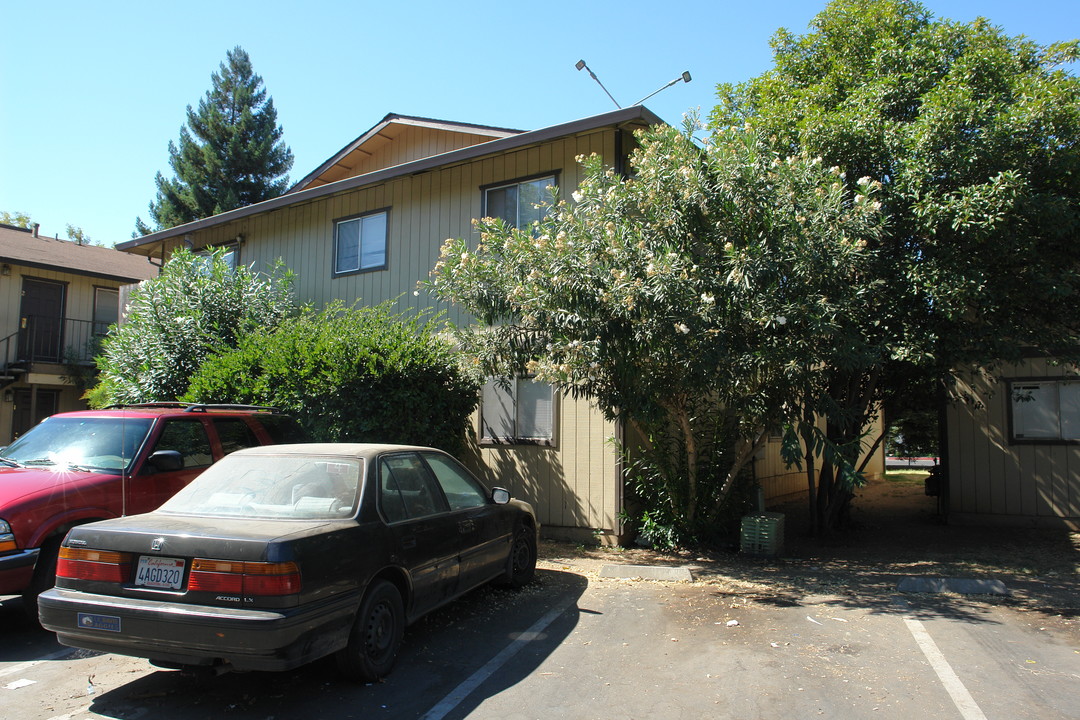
188 437
407 489
462 491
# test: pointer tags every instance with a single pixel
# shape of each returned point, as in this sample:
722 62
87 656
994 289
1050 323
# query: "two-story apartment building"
367 226
56 296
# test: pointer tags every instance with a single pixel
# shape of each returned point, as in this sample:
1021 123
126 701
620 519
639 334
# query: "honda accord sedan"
279 555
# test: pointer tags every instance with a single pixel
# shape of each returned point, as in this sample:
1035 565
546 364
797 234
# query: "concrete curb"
647 572
960 586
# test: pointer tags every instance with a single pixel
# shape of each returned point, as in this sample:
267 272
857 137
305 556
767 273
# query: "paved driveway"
575 645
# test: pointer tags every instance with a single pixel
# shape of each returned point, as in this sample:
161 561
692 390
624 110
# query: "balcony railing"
50 340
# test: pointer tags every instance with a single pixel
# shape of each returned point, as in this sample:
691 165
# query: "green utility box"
763 533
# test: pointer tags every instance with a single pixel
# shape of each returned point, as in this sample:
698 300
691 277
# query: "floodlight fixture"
580 65
685 77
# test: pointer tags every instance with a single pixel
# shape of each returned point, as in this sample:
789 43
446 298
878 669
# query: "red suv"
77 467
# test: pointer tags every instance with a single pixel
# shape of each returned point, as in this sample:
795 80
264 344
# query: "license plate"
89 621
160 572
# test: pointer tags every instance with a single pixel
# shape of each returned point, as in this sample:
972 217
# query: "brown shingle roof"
18 246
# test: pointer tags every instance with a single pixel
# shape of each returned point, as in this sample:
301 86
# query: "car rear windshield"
90 443
273 486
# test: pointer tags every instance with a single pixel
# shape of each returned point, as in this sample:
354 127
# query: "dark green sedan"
279 555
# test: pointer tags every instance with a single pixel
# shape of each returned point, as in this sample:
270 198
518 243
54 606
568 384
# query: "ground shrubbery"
362 374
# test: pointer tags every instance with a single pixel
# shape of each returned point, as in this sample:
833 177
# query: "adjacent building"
1013 454
56 298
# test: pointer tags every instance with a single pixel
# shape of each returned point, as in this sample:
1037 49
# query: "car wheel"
44 578
376 634
521 565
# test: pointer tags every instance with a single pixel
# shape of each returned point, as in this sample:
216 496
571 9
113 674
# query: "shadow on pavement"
440 652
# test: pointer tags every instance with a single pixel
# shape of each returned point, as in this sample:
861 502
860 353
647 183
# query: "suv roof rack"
193 407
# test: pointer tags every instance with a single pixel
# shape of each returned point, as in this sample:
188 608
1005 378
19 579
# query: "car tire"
375 636
521 564
44 578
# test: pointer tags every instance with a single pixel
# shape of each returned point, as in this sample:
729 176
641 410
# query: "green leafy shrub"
198 305
658 485
350 375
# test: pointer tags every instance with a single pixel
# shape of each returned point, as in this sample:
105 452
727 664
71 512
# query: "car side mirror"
500 496
166 461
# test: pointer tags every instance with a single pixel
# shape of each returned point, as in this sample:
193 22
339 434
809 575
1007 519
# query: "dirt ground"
896 533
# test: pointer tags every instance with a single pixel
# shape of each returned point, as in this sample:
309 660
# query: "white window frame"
542 182
520 411
231 255
370 239
1044 410
112 301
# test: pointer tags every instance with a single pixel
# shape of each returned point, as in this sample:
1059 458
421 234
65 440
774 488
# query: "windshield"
82 442
273 486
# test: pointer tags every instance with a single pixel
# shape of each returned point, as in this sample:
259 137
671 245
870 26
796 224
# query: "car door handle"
466 526
408 542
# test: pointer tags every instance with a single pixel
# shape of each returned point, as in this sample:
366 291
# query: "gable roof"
387 132
21 246
637 116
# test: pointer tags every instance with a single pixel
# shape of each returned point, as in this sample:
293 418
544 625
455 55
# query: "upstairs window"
517 412
1045 410
229 253
106 309
360 243
517 202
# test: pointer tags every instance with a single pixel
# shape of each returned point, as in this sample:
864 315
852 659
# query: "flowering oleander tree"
696 301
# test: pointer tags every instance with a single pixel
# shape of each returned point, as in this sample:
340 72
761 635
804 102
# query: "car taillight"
102 565
244 578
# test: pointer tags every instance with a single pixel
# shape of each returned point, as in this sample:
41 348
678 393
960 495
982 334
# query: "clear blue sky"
92 93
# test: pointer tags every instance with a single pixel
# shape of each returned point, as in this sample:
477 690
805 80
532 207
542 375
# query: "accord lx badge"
157 543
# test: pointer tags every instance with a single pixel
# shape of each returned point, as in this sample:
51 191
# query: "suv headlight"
7 539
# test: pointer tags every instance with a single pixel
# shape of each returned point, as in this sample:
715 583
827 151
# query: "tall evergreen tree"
230 152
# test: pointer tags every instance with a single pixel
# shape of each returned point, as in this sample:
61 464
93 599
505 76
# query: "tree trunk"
691 465
811 471
744 450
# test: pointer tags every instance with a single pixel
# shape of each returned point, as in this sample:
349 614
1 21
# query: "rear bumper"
17 571
199 635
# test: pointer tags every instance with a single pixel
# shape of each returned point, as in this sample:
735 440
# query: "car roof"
153 410
364 450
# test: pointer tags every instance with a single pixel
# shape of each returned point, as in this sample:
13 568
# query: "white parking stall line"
58 655
462 691
966 704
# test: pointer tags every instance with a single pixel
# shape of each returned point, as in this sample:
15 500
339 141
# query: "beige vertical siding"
424 211
782 482
575 485
409 143
992 479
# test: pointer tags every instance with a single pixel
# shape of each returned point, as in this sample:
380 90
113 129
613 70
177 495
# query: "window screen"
1046 410
519 204
360 243
521 411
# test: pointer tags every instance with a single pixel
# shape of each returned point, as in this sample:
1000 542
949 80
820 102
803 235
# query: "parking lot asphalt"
575 644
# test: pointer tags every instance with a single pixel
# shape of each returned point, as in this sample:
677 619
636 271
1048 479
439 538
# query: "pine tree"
230 152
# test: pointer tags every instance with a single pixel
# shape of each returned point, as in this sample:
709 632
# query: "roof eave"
393 118
615 117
